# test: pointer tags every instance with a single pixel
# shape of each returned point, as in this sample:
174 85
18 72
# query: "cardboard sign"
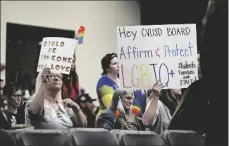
165 53
56 53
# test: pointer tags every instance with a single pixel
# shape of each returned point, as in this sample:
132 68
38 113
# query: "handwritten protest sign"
57 53
165 53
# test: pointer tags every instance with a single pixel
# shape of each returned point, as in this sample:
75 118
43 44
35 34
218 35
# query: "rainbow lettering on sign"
80 35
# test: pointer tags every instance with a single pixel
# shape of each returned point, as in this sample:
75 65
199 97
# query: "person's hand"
71 104
157 87
129 125
45 73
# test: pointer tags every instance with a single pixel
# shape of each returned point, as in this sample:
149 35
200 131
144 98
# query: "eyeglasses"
52 76
17 95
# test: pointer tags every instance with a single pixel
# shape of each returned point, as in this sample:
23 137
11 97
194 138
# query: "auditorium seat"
182 138
13 133
134 138
92 137
46 137
7 139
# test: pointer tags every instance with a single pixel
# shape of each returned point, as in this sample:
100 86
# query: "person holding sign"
162 104
47 110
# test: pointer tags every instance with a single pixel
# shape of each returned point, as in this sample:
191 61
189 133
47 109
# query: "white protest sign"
57 53
166 53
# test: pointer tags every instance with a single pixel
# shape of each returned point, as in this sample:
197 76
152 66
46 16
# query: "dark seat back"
134 138
13 133
93 137
183 138
43 138
6 139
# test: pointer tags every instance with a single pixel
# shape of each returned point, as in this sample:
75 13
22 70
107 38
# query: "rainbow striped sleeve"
106 93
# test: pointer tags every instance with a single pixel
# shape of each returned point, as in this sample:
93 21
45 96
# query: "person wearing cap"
109 82
89 109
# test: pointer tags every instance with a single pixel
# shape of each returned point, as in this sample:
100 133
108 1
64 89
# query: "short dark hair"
106 61
10 89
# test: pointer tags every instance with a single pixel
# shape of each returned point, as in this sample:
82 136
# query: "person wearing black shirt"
10 118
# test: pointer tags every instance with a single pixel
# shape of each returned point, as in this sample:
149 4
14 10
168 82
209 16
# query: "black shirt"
90 118
8 119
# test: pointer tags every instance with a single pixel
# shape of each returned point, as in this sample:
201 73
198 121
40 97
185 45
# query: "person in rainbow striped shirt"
109 82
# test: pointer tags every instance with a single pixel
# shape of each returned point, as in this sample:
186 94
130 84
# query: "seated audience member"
10 118
46 108
88 107
109 82
165 103
125 119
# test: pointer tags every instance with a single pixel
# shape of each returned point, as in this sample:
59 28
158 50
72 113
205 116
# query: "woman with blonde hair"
47 110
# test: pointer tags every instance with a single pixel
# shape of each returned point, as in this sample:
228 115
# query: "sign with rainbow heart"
56 53
165 53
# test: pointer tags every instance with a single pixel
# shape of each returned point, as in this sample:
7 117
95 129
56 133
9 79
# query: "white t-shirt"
53 119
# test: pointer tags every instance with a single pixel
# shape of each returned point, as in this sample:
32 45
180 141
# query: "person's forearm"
80 117
150 111
37 104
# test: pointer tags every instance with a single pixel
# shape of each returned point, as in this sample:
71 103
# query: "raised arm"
151 108
37 102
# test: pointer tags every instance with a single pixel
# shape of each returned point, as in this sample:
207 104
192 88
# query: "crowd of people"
57 101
